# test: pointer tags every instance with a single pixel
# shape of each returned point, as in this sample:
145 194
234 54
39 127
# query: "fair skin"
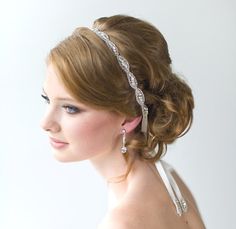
79 132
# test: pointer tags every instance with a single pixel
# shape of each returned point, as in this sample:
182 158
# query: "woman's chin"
65 157
62 157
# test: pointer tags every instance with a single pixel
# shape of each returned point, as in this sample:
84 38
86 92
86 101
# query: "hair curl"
91 73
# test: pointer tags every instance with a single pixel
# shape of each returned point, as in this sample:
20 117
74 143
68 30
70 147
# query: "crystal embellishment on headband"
124 64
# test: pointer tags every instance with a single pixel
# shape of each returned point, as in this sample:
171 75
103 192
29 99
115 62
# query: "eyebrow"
62 98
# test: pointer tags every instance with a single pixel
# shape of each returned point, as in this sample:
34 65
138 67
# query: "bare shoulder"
153 211
120 218
133 215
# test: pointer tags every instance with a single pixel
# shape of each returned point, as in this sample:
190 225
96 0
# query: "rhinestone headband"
140 98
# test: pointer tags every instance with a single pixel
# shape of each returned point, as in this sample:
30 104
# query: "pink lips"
57 143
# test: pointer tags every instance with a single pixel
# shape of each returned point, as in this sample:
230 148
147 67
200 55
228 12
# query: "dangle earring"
123 148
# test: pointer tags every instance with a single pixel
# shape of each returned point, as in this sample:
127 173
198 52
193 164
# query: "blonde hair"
91 73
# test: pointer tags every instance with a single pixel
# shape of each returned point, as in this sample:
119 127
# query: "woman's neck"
113 168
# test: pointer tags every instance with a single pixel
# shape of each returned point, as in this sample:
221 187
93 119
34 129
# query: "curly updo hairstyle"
92 75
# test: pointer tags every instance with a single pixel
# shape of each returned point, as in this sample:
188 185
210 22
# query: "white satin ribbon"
164 170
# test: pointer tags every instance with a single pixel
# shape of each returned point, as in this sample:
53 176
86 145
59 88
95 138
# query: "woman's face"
77 131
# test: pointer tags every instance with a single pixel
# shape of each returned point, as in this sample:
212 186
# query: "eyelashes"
46 99
70 109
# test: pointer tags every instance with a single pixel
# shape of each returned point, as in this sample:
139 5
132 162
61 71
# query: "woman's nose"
49 123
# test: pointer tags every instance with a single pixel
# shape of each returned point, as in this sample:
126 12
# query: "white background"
40 193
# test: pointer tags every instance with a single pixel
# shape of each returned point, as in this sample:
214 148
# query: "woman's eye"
71 109
45 98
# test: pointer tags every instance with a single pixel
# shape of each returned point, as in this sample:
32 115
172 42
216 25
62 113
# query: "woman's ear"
130 124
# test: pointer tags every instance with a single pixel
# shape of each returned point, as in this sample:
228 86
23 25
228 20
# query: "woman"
113 99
